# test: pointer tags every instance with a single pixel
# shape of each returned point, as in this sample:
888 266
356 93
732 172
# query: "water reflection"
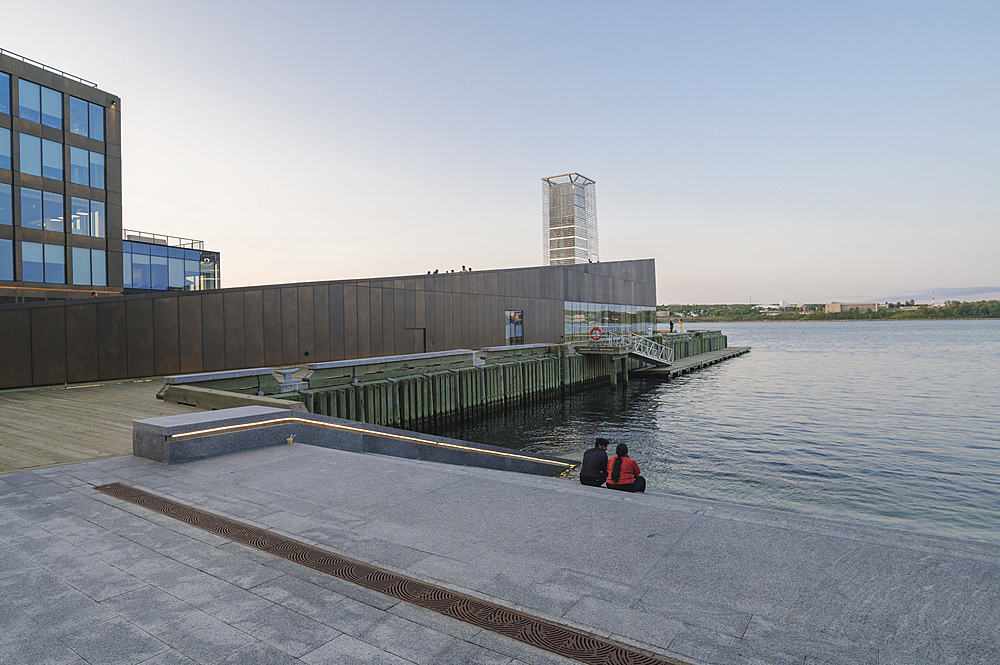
888 423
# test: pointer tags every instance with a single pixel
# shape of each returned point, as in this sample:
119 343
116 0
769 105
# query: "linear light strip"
401 437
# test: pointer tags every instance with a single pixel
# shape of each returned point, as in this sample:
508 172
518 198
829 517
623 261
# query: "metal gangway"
639 346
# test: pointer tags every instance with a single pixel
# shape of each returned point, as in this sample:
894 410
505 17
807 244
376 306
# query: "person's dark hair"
601 442
616 470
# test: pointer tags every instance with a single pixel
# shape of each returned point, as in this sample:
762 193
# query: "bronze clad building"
134 336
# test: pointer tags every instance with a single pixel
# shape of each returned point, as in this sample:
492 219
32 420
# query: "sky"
759 151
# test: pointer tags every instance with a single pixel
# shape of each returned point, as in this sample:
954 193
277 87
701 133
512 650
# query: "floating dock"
693 363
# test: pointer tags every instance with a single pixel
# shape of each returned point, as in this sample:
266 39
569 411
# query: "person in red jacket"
623 472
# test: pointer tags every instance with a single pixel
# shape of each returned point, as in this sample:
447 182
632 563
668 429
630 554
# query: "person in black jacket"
595 464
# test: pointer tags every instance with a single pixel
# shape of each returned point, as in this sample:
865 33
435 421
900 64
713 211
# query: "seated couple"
621 472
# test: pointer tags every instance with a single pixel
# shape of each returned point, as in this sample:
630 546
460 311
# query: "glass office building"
60 184
152 262
569 220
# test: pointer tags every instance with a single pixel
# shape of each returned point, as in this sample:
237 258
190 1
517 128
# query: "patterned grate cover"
530 630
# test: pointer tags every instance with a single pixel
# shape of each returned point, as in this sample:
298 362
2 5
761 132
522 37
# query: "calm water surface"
893 423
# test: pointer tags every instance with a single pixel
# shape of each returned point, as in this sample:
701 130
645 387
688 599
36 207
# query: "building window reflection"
166 263
4 148
4 93
6 260
6 204
581 318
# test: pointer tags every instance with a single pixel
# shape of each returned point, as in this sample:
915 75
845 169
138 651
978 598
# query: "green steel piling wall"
415 401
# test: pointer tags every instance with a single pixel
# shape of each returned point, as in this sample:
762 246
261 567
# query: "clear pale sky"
794 151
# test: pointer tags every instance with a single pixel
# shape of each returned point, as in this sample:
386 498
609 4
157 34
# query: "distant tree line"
983 309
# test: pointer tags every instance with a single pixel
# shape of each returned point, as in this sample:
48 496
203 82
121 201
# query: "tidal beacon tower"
569 220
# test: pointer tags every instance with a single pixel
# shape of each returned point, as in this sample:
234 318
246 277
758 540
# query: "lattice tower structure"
569 220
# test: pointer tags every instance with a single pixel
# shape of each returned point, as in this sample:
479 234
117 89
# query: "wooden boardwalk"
43 427
692 363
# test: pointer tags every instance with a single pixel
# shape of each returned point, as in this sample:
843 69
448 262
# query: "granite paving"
88 578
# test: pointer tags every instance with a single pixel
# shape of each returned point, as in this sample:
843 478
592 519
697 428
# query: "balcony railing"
157 239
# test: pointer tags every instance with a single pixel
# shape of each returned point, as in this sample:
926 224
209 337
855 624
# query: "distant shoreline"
805 319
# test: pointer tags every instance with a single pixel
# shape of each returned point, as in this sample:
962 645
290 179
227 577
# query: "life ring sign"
595 333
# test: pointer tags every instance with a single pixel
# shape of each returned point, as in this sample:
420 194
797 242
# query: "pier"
418 390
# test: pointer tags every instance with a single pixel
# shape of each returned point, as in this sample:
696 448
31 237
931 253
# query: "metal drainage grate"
521 627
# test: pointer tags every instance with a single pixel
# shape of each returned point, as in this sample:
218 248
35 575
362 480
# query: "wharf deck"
43 427
692 363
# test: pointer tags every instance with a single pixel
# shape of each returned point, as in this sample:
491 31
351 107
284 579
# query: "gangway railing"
640 346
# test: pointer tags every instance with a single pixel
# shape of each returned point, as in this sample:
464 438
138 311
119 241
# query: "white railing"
640 346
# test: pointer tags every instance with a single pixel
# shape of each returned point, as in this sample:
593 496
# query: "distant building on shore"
569 220
836 307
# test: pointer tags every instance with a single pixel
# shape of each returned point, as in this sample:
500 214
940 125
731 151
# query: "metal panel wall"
81 344
166 337
189 333
112 340
144 335
48 345
15 349
139 322
271 308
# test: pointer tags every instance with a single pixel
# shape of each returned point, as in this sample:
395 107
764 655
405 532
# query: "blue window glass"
6 204
51 108
4 148
81 266
79 166
78 117
97 122
140 271
98 268
97 224
79 211
52 211
127 269
158 250
31 208
32 263
140 248
97 170
6 260
192 273
52 160
175 273
192 255
31 154
175 252
29 100
4 93
158 277
55 264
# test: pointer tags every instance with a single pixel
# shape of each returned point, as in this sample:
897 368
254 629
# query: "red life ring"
595 333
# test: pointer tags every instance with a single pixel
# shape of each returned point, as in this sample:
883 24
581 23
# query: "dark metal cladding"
530 630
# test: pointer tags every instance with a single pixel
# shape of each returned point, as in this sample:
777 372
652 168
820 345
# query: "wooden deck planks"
52 426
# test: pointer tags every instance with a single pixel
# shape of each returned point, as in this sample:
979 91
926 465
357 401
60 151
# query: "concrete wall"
201 331
163 439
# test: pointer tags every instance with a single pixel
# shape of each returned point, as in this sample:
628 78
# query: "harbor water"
888 423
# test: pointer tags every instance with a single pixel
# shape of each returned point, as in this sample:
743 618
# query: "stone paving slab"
86 578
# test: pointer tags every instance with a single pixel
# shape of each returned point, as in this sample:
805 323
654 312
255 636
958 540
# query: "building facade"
60 185
174 332
837 307
569 220
153 262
